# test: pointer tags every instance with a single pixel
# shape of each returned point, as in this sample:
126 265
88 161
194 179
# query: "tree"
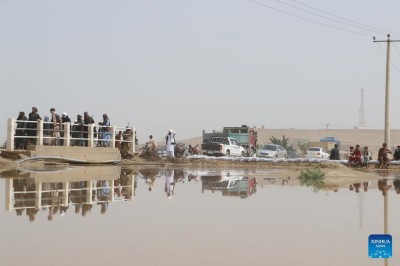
284 142
303 146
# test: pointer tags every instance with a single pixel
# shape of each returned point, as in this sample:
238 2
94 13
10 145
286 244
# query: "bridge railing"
21 133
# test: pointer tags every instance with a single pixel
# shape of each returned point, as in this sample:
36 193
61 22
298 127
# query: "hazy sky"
194 65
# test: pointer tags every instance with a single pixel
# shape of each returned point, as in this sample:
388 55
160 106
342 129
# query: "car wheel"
242 154
228 153
276 156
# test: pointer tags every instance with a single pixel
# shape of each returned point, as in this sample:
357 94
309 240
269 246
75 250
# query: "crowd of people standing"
54 129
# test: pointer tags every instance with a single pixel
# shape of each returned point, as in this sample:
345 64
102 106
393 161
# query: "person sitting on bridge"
383 156
355 157
367 156
396 154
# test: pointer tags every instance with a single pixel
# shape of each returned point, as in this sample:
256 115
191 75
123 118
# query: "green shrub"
312 178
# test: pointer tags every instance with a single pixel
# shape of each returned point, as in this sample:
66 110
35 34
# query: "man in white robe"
169 143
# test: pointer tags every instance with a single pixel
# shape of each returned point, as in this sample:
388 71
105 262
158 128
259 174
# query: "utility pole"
326 130
387 98
361 112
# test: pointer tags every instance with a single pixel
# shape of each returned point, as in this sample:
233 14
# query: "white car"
317 152
272 151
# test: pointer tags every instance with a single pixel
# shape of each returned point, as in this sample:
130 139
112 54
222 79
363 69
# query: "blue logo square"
380 246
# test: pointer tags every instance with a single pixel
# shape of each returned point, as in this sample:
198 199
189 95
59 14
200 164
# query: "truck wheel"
228 153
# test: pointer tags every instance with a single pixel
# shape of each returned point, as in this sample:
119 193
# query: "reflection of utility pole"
385 213
326 130
385 217
387 129
360 209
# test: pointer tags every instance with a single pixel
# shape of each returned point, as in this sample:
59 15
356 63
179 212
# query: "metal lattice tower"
361 111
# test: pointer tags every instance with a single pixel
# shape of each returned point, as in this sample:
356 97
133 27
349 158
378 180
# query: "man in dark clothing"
396 154
33 117
87 121
64 119
77 131
335 153
20 131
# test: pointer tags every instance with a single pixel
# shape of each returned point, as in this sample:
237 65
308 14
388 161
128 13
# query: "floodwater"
112 216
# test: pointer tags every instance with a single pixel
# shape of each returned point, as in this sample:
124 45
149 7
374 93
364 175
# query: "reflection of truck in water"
244 135
238 186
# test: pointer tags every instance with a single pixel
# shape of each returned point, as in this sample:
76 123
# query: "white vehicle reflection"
238 186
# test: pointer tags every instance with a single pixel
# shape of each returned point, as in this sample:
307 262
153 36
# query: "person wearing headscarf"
170 143
20 131
34 118
106 130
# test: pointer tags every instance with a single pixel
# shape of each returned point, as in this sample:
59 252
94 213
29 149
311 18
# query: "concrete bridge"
86 144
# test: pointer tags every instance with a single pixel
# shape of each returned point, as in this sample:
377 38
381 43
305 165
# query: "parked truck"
244 135
327 143
222 146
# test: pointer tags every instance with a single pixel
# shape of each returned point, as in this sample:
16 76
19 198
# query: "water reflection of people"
150 176
103 195
179 176
192 177
78 194
126 182
396 184
357 187
56 197
31 209
86 207
383 186
169 183
19 188
366 185
52 197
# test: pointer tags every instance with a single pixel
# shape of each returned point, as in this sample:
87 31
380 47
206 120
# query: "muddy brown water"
108 216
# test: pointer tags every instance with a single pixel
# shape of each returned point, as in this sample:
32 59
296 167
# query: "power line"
310 20
343 18
328 18
391 62
396 49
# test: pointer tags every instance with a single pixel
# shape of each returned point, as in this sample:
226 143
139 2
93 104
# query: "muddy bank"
336 175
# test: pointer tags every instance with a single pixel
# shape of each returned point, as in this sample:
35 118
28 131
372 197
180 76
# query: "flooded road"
112 216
